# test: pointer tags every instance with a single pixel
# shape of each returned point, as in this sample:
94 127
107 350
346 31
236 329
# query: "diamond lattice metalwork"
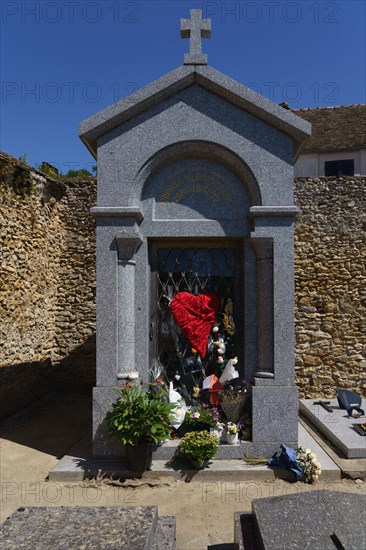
193 270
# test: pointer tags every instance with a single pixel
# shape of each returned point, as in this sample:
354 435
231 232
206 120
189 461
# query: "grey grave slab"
311 521
99 527
336 426
107 527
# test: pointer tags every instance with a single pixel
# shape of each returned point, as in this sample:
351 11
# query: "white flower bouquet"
232 428
309 464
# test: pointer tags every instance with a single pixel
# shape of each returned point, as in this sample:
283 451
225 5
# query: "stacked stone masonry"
47 285
330 285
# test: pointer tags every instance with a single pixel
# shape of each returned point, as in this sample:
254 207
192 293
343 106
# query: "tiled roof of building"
335 128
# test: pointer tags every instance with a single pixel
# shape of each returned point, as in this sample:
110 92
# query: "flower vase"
234 407
217 431
232 439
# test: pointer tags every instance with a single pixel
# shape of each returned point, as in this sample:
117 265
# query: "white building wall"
363 162
307 166
344 155
313 165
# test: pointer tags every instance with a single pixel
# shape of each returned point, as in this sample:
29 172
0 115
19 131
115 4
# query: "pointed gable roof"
179 79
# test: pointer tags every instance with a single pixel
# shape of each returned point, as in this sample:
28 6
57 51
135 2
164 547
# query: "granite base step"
80 464
72 528
225 451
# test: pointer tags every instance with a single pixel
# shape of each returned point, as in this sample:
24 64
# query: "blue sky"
64 60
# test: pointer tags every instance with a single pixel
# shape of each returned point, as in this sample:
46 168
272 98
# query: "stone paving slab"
316 520
80 464
336 426
58 528
354 468
330 470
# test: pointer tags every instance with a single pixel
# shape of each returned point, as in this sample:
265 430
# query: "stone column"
128 241
264 253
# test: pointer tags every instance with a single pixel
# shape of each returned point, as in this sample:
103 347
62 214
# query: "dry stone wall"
47 285
330 285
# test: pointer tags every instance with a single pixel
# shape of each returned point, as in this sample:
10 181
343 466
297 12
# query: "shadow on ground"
52 425
21 384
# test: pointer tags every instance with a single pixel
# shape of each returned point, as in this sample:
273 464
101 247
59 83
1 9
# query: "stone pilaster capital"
263 247
128 241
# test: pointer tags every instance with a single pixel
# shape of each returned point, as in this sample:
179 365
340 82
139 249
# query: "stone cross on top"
195 29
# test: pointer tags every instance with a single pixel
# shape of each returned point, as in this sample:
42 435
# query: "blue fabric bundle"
286 459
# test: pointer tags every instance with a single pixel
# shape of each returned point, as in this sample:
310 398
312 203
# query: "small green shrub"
77 174
22 183
139 417
198 446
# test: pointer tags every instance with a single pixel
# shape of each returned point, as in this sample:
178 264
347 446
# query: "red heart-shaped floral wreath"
195 315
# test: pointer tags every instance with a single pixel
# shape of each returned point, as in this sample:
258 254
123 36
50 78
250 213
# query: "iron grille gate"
194 270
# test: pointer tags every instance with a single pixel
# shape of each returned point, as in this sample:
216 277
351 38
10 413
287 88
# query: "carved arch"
203 150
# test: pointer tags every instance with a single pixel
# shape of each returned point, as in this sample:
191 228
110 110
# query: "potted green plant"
198 448
139 419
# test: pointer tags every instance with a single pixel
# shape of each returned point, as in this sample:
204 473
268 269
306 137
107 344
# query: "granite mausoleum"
194 168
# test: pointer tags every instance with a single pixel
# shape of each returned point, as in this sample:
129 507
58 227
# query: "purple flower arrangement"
204 413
